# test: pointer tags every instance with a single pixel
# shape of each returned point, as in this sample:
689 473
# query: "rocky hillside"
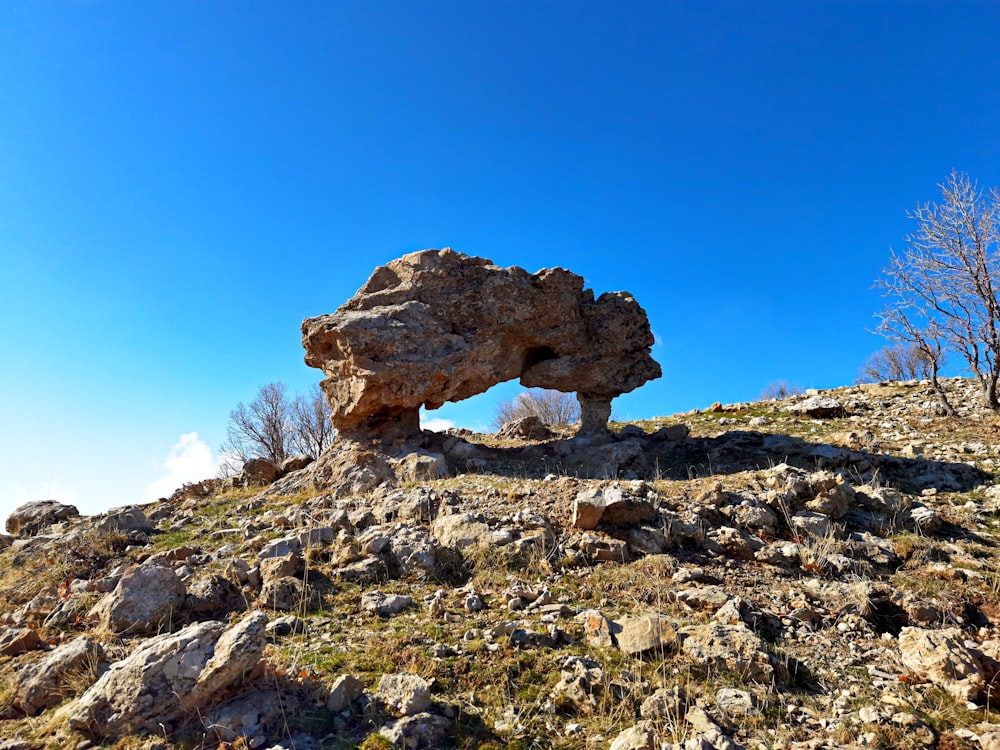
819 572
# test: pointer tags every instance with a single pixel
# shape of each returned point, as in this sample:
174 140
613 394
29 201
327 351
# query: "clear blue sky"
181 183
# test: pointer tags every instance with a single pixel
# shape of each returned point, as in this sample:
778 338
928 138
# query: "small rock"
385 605
345 690
646 634
408 694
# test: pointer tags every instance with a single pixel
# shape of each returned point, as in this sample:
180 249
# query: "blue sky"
182 183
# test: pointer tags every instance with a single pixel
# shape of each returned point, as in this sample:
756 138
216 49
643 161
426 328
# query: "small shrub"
779 389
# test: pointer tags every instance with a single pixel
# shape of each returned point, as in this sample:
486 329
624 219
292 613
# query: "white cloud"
436 424
190 460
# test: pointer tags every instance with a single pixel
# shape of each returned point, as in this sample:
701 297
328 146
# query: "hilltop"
815 572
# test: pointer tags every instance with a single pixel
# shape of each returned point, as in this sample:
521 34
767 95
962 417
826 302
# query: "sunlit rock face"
438 326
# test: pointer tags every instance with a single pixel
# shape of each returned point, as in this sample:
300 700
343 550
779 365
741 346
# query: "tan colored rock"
345 690
646 634
526 428
439 326
596 628
461 531
18 640
638 737
942 658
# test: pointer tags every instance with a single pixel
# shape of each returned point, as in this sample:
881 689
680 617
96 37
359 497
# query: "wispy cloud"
189 460
436 424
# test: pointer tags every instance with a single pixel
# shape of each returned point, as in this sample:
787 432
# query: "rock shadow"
644 457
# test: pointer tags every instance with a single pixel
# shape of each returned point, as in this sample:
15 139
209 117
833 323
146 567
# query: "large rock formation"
439 326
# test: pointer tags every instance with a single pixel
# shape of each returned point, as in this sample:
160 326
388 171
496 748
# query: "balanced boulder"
438 326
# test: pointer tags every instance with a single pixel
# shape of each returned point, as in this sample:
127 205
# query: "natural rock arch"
438 326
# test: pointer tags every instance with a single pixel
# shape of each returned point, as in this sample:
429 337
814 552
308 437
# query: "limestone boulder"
942 658
146 599
257 471
44 683
34 517
170 677
817 407
610 505
647 634
15 641
405 693
638 737
125 520
438 326
345 690
420 730
732 647
461 531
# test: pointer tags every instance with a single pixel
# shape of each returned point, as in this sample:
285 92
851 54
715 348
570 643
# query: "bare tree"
263 428
778 390
903 360
941 291
312 430
552 407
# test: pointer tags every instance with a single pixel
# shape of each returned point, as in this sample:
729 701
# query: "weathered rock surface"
42 684
145 599
125 520
32 518
18 640
405 693
941 657
788 588
438 326
732 647
644 635
610 505
169 676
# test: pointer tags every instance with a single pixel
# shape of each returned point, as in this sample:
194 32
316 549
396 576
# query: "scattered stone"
580 680
385 605
417 731
405 693
638 737
818 407
124 521
733 647
461 531
283 594
345 690
248 715
611 506
649 634
526 428
597 629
